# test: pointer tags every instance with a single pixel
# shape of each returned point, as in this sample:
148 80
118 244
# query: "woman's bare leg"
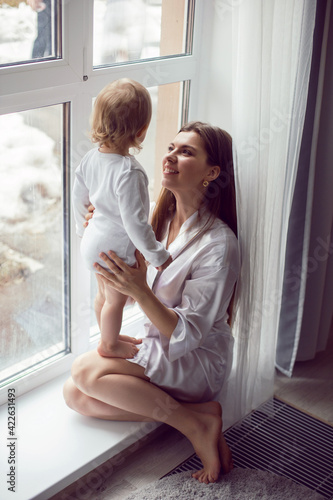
91 407
109 305
212 407
121 384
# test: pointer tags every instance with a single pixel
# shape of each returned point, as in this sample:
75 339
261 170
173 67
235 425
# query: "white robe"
198 285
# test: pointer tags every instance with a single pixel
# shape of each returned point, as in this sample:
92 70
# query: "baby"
116 184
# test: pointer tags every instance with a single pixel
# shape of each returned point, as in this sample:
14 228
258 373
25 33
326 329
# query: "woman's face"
185 164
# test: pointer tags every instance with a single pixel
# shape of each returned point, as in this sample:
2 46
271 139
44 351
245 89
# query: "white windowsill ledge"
56 446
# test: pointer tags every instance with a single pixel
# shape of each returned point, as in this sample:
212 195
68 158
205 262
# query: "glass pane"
31 238
28 31
130 30
167 101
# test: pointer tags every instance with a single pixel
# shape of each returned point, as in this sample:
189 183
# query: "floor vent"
279 438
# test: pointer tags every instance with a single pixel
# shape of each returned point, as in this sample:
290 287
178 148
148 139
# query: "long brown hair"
220 196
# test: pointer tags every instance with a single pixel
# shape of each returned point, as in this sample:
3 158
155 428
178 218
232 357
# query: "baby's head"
121 115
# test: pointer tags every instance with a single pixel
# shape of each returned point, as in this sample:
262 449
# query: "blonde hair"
122 109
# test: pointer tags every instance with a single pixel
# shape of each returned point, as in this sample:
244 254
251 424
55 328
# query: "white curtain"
307 306
271 51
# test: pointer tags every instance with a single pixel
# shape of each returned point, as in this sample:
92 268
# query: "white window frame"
34 85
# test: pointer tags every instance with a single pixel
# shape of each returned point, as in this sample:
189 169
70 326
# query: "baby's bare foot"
120 349
126 338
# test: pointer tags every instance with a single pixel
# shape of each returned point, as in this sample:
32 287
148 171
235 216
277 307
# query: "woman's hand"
128 280
131 281
89 215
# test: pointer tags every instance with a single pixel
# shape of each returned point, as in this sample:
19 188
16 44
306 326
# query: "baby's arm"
80 202
165 265
133 202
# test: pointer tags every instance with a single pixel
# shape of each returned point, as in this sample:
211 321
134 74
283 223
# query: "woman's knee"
89 367
82 371
72 395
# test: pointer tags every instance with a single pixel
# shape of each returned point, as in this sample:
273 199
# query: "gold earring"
205 183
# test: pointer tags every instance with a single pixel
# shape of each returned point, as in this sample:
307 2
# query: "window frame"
73 80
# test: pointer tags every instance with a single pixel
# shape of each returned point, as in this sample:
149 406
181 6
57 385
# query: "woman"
185 357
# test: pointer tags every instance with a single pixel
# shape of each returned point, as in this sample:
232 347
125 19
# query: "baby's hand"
89 215
165 265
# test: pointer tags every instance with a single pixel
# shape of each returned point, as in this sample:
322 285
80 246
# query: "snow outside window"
34 239
29 31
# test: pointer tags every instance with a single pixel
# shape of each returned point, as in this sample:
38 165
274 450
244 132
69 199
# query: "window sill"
56 446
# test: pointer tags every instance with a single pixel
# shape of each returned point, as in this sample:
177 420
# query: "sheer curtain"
271 51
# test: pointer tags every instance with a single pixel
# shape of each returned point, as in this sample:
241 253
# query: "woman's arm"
132 281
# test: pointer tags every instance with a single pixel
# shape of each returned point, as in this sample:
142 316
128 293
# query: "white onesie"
117 186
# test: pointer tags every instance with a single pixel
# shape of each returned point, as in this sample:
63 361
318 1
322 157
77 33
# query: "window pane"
166 119
28 31
130 30
32 245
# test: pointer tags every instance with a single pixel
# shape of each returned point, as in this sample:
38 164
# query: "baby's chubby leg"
112 344
99 302
99 299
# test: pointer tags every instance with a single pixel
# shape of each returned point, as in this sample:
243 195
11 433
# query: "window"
29 31
34 238
133 30
46 101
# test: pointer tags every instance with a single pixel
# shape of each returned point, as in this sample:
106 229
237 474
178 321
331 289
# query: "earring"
205 183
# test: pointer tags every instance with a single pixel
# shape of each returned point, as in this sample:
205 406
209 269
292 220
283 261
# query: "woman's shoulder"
219 244
220 231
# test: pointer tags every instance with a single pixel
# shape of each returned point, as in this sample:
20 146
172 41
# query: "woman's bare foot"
225 455
214 408
126 338
205 439
120 349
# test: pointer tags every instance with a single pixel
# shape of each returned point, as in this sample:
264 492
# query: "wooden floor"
311 386
310 389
